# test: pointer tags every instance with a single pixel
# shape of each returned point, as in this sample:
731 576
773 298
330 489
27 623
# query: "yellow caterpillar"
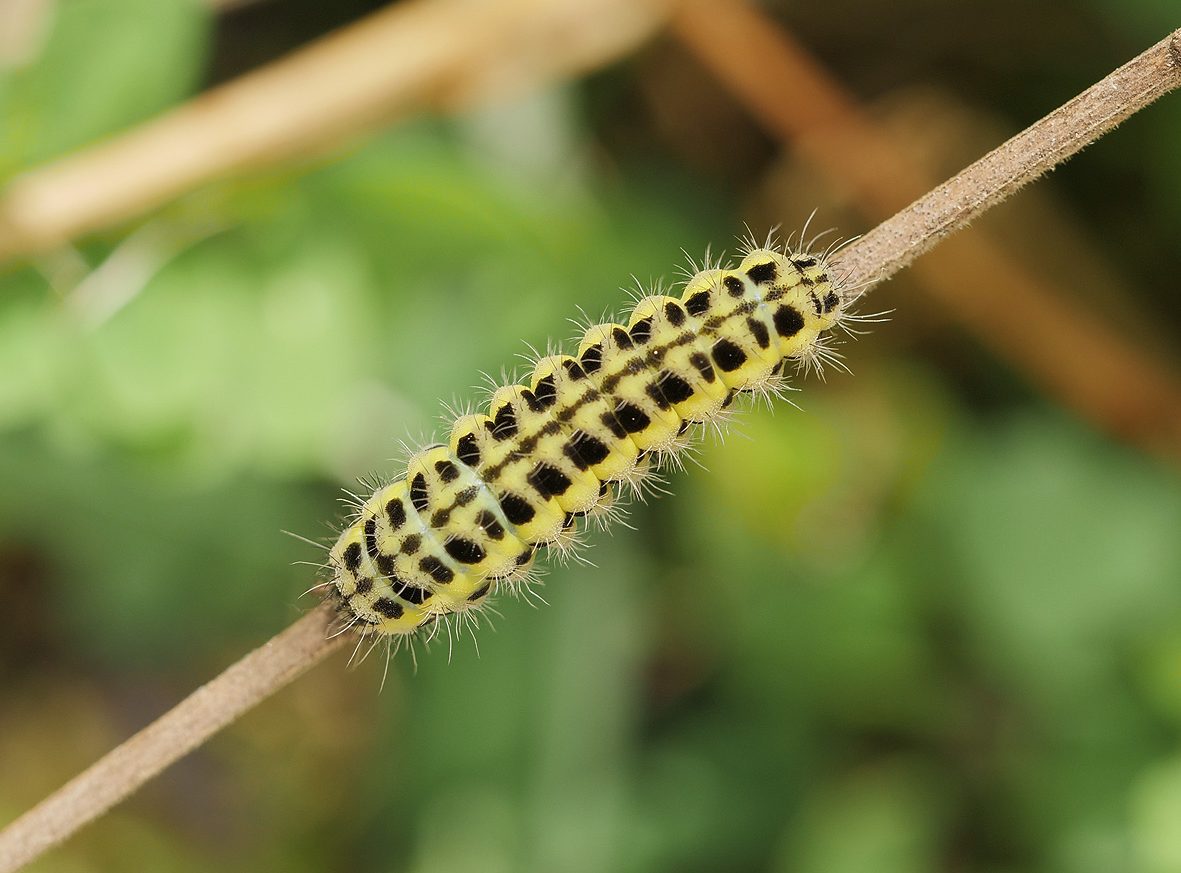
469 516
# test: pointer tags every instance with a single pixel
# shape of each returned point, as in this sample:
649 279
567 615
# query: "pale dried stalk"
876 257
444 53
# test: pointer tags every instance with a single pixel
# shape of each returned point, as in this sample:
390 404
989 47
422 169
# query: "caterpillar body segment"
469 516
587 418
687 379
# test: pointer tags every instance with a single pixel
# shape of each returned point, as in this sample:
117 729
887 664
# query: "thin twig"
250 680
895 243
1136 396
184 727
398 60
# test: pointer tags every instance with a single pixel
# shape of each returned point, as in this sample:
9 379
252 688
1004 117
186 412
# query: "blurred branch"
265 670
401 59
23 26
1022 318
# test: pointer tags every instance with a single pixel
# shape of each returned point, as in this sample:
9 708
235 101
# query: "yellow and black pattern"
469 516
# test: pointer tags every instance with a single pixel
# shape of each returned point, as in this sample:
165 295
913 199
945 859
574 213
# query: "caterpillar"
469 517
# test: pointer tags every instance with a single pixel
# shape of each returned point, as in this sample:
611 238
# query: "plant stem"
176 733
1135 396
1066 131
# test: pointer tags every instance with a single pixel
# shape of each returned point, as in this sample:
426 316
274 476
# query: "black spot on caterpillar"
468 517
788 321
728 355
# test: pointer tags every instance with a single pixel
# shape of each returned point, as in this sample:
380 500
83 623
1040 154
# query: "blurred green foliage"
926 623
105 64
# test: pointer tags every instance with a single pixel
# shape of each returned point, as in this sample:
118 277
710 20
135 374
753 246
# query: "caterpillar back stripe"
469 517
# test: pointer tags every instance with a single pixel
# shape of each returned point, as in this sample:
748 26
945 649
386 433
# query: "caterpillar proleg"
468 518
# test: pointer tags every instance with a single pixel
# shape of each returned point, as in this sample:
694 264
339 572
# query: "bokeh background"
929 621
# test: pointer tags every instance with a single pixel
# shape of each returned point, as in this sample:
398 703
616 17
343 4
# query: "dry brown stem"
184 727
447 53
263 671
1067 130
1133 395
